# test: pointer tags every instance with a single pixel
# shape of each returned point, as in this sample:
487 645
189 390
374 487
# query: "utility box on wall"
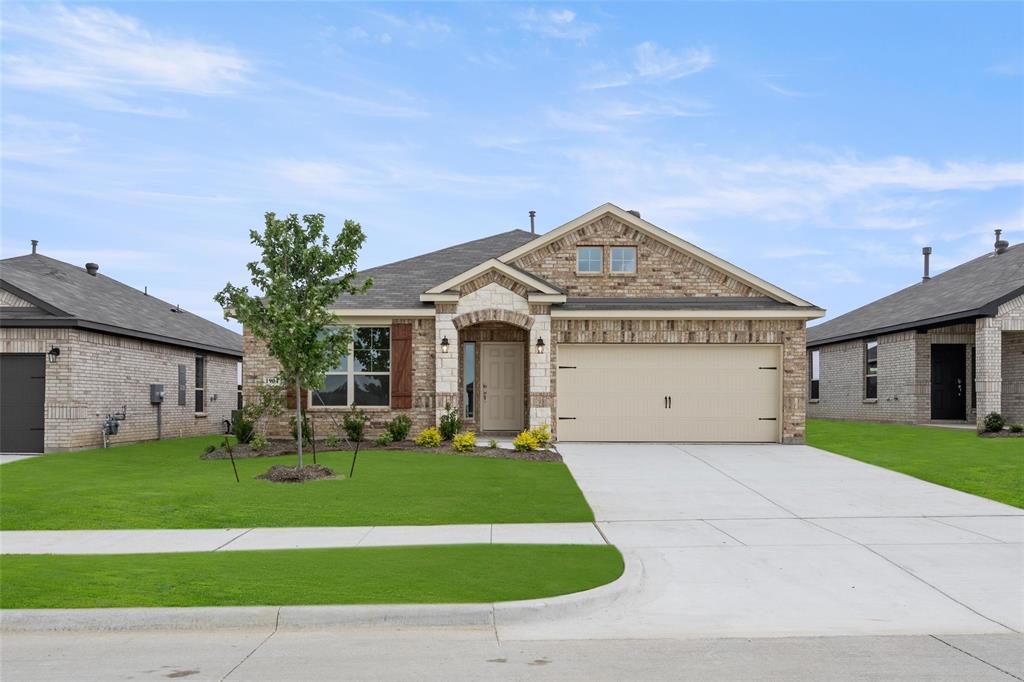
156 393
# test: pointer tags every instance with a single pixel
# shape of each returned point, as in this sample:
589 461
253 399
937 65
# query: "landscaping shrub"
307 433
525 442
428 438
399 427
258 442
543 435
994 422
354 423
210 448
1017 428
464 442
332 441
493 444
450 423
384 440
244 429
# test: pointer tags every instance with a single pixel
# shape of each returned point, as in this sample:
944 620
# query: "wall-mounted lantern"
540 345
444 344
53 354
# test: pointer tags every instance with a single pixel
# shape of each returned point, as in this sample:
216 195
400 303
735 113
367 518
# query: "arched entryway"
493 376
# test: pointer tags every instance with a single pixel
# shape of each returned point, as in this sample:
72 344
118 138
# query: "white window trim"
350 374
611 260
867 373
600 250
200 410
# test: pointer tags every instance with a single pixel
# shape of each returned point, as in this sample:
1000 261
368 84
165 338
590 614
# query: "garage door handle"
566 419
766 419
767 367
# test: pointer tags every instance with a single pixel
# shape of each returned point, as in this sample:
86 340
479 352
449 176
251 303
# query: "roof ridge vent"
1001 244
92 268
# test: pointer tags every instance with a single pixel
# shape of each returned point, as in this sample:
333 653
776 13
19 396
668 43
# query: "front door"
501 383
949 377
22 399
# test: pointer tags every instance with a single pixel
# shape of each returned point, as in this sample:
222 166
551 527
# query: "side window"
182 385
200 384
814 372
871 369
624 259
590 259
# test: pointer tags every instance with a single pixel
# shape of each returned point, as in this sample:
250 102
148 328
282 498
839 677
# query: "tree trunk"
298 415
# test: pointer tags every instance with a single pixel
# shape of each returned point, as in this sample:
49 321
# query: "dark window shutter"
401 365
182 384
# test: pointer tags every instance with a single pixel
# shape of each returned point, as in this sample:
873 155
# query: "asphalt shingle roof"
399 284
70 295
973 289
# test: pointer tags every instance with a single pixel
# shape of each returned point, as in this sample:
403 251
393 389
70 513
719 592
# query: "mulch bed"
1001 434
279 473
278 448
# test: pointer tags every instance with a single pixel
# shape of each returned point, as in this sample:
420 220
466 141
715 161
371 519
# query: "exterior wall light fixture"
53 354
444 344
540 345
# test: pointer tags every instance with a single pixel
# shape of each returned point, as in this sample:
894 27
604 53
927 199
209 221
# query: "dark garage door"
22 391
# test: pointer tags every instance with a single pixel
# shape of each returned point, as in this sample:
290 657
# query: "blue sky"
816 145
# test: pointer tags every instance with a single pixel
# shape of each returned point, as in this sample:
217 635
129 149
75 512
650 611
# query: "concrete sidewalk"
234 539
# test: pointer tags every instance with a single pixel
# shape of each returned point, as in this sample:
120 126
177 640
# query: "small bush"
384 440
332 441
543 435
493 444
244 429
525 442
354 424
428 438
258 442
464 442
209 448
450 423
399 427
1017 428
994 422
307 433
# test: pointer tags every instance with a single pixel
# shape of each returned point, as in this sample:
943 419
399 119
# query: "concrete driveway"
768 540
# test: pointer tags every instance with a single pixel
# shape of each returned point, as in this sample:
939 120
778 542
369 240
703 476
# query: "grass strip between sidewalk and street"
366 575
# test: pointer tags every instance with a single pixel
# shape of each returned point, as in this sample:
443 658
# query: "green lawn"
165 485
367 575
955 458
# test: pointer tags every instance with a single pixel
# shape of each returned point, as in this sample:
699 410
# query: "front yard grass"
955 458
166 485
367 575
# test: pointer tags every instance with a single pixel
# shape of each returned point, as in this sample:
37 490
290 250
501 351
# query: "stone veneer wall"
662 270
98 373
327 420
790 334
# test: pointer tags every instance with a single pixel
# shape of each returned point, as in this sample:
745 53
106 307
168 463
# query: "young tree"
300 274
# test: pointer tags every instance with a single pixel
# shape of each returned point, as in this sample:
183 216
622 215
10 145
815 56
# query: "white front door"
501 379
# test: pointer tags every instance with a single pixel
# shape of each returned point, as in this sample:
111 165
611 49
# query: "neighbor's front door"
949 376
501 383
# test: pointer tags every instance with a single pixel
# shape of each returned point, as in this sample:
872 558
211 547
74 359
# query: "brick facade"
905 365
96 374
662 271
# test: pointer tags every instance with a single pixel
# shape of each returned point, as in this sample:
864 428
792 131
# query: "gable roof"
399 284
664 236
65 295
516 274
974 289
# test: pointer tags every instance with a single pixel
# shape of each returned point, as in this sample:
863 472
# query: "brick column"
540 370
446 364
988 338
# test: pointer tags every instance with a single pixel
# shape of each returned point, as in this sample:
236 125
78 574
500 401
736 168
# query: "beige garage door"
655 392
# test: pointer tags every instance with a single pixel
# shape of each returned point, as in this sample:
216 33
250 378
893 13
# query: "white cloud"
786 92
554 23
1008 68
794 252
108 60
653 62
38 141
580 123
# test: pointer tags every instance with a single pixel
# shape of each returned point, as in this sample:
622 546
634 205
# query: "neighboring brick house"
606 328
77 346
950 347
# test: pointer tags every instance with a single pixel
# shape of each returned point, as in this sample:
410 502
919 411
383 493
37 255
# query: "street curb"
273 618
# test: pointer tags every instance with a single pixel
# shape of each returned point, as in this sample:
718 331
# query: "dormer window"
624 259
590 259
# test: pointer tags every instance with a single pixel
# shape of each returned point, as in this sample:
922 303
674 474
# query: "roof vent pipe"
927 251
633 211
35 243
533 227
1001 244
92 268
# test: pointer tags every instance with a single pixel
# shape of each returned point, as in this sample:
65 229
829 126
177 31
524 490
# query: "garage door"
22 392
655 392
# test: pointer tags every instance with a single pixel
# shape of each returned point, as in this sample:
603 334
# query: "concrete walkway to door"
770 540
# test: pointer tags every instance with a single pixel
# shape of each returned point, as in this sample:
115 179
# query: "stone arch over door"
521 320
